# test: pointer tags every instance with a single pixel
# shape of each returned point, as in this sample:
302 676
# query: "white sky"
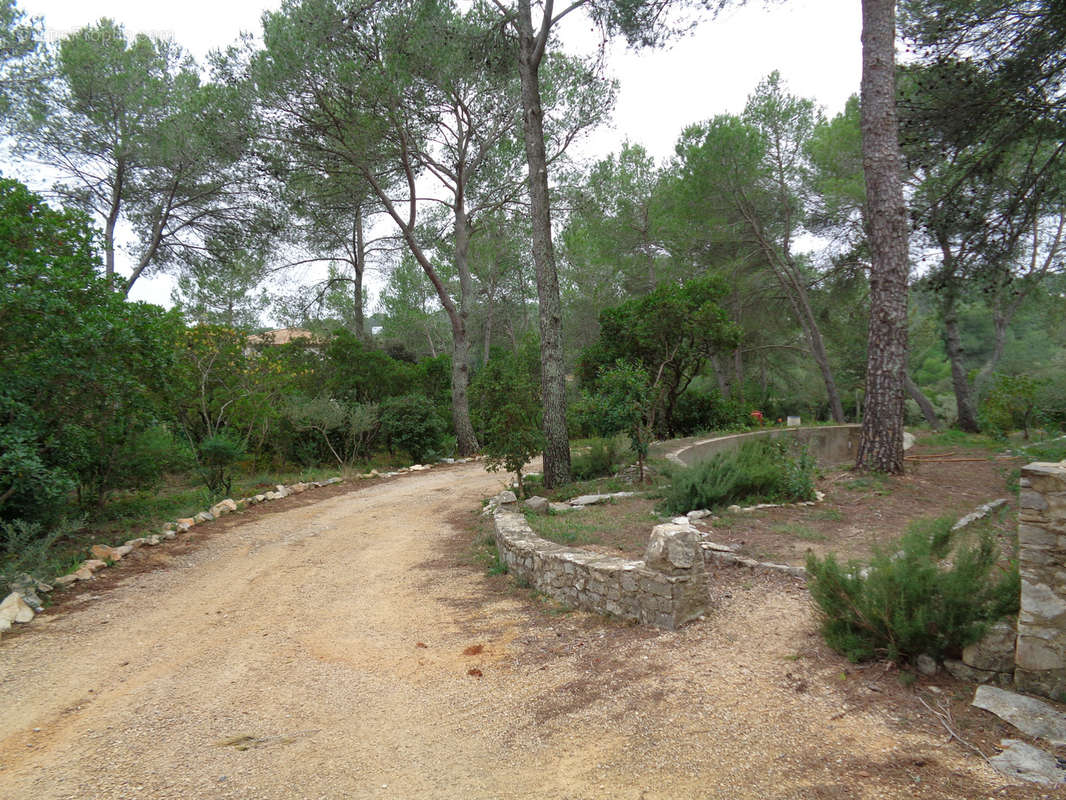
815 44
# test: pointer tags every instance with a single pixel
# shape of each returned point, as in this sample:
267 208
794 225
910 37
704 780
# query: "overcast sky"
815 44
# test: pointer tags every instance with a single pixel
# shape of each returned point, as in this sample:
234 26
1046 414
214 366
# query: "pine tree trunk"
881 442
552 367
818 351
966 414
466 439
359 265
923 403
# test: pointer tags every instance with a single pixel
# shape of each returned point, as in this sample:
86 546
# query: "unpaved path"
319 653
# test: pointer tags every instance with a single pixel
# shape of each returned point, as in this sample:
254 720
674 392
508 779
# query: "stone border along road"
337 650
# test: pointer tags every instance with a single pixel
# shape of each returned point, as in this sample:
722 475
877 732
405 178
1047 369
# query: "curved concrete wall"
829 444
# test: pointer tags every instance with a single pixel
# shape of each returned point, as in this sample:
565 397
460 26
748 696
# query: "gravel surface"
335 651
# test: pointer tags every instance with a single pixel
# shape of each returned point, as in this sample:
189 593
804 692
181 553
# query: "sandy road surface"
282 659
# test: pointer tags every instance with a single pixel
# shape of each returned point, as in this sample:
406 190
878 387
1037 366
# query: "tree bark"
112 221
552 367
466 439
881 441
818 351
923 403
359 267
790 279
966 414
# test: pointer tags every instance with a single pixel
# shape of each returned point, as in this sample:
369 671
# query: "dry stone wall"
667 589
1040 659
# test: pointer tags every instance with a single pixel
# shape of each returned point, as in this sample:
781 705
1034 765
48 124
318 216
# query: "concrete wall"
830 444
1040 658
606 585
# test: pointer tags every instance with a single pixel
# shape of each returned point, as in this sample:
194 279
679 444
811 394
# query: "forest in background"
732 278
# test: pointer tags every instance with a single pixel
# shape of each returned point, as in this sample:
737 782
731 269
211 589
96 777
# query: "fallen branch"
921 460
943 716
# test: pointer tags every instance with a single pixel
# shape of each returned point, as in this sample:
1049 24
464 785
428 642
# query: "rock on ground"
15 609
536 503
1021 760
1029 715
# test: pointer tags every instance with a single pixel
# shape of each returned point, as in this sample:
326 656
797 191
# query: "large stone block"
1045 477
1030 535
1031 500
1039 600
1037 655
994 652
673 549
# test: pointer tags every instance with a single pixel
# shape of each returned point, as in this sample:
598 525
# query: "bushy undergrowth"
26 547
1051 450
604 457
907 602
757 471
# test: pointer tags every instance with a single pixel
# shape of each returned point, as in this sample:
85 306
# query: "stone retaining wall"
1040 658
668 596
829 444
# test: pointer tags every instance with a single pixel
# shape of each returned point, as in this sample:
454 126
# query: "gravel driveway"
334 651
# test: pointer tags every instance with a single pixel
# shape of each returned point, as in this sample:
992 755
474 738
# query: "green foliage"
27 548
624 403
410 423
698 411
669 334
908 603
506 408
217 455
1010 404
82 368
356 372
604 456
757 471
1052 450
137 137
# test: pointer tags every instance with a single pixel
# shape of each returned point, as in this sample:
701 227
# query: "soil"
346 646
858 514
862 513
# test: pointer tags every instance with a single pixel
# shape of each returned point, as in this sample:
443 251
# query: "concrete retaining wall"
830 444
606 585
1040 658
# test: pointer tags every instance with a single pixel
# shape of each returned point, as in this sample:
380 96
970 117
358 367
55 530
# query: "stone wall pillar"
1040 658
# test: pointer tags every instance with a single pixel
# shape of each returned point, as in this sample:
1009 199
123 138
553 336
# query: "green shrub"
907 603
1010 404
26 548
410 423
217 455
757 471
506 408
1051 450
604 457
706 411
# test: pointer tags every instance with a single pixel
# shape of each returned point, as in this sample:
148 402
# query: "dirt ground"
860 513
345 646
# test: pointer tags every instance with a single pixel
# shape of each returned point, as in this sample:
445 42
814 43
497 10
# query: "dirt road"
326 652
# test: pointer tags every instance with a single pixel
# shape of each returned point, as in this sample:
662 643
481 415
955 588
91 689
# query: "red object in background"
756 416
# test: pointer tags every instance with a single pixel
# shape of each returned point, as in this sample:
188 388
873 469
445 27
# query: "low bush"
217 456
706 411
604 457
410 423
757 471
908 602
26 548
